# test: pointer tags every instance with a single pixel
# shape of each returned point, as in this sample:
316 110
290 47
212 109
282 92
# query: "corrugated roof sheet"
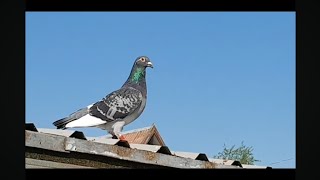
67 141
68 144
60 132
197 156
152 148
109 141
226 162
31 127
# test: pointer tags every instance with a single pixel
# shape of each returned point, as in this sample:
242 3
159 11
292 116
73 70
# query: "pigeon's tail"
61 123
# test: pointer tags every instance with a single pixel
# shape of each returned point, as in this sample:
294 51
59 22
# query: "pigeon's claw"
122 138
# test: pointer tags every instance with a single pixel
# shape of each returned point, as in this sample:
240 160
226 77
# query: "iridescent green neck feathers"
137 75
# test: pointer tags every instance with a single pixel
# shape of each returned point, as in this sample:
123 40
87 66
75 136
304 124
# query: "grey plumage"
117 105
118 108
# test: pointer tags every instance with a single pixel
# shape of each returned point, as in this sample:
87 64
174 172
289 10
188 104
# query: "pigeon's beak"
149 64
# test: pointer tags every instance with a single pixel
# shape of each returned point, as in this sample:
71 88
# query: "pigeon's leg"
113 135
117 128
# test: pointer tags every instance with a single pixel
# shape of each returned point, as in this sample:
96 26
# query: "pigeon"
117 109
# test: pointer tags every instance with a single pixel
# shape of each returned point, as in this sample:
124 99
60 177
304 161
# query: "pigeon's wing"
117 105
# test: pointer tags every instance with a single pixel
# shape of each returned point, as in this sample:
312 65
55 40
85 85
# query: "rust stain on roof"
27 136
123 152
150 156
209 165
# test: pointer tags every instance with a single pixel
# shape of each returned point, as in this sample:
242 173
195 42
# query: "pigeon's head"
143 61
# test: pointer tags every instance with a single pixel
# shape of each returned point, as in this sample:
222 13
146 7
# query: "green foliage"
243 154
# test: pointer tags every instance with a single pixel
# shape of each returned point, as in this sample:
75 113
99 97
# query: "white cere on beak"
150 64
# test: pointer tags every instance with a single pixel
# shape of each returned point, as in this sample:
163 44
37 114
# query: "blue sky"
218 78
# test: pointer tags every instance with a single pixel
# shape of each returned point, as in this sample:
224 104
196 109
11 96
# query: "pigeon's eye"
142 59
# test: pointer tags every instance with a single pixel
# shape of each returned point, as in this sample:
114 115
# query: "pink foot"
122 138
